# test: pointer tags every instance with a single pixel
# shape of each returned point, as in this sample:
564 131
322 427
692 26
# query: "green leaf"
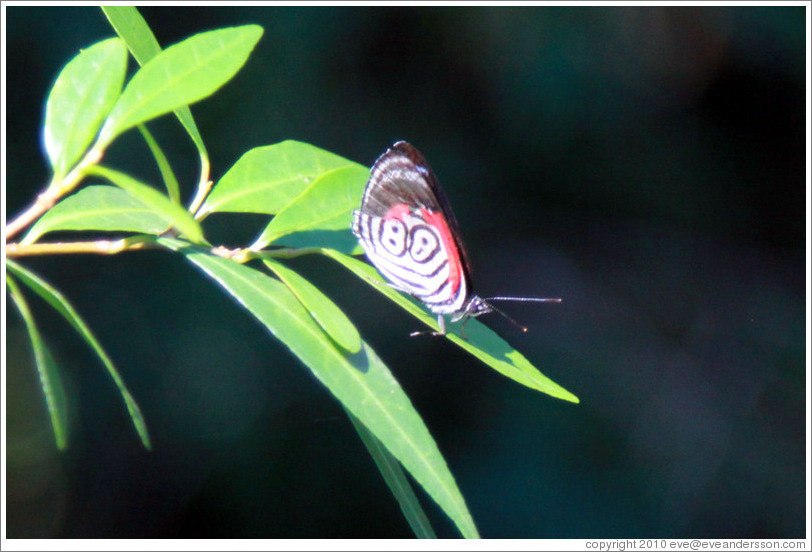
396 481
162 205
266 179
180 75
341 240
131 27
49 379
331 318
168 175
360 381
63 307
104 208
82 96
143 45
482 342
327 204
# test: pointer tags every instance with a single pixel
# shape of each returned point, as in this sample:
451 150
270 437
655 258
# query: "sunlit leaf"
82 96
268 178
99 208
162 205
326 205
143 45
167 174
180 75
331 318
131 27
481 341
360 381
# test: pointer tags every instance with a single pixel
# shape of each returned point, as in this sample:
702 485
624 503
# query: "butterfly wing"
409 232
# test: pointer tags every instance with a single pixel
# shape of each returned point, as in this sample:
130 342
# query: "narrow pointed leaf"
152 198
131 27
82 96
331 318
325 205
361 381
396 481
180 75
481 341
61 305
268 178
167 174
99 208
49 379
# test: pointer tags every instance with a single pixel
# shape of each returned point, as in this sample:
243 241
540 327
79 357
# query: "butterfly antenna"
521 300
526 299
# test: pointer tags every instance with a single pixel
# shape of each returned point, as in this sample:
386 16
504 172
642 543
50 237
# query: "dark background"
644 164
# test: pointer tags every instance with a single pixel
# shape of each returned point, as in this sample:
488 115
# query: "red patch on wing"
437 221
397 212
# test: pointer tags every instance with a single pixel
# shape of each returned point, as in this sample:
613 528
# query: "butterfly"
409 232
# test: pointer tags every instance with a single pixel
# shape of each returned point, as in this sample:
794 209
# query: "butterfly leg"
440 322
440 318
462 327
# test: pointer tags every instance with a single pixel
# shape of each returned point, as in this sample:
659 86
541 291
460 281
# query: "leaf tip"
569 397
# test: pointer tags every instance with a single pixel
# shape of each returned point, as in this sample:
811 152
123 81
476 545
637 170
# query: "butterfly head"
475 306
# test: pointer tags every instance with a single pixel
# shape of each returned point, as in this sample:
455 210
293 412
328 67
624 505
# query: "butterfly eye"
423 244
393 236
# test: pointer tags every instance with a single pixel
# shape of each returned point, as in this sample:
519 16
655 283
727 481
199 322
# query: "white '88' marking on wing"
410 254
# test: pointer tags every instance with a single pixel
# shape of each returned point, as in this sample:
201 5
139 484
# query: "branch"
44 201
99 247
55 190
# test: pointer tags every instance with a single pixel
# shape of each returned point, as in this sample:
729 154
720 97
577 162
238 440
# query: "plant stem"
245 255
98 247
203 187
44 201
55 190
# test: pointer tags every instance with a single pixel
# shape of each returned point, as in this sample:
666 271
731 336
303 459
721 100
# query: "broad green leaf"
152 198
360 381
331 318
49 379
327 204
143 45
481 341
266 179
63 307
180 75
396 481
82 96
168 175
105 208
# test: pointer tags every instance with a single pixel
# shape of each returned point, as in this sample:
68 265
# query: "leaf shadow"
340 240
359 360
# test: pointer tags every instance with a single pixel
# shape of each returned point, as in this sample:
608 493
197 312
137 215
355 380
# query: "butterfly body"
409 232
